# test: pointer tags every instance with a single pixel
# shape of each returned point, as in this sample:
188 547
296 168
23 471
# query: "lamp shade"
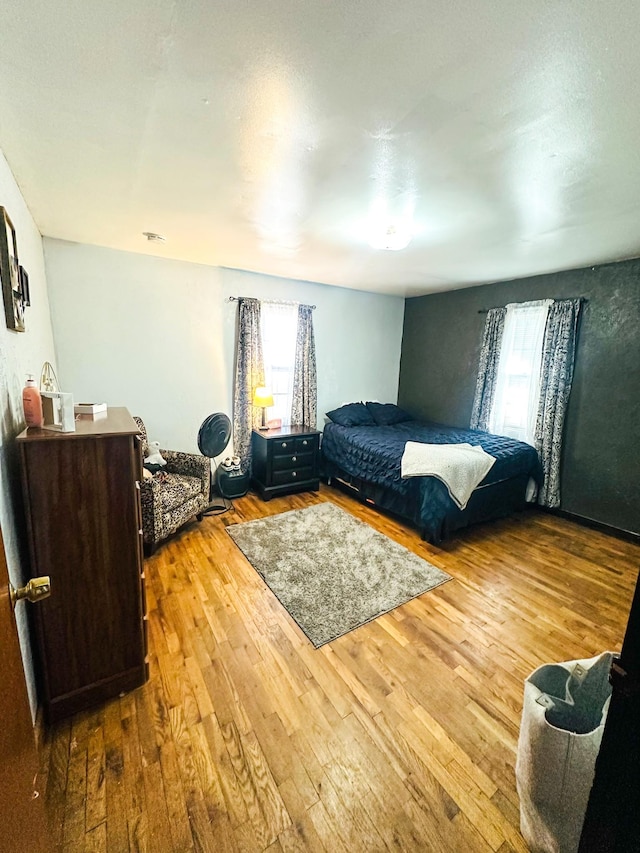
262 397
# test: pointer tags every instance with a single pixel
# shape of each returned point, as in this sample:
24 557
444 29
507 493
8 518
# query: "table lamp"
264 398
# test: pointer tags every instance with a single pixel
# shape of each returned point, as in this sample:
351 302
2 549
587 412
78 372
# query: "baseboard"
619 532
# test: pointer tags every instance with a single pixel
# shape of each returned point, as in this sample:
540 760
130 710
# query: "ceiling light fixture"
392 238
152 237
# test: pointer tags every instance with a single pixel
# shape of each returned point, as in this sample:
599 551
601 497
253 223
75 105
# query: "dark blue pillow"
386 414
353 414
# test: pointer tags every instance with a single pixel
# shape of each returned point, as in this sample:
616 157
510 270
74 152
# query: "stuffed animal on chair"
154 461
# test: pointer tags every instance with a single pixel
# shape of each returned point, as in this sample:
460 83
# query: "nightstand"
285 460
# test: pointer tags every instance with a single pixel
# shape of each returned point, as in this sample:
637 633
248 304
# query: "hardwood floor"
400 735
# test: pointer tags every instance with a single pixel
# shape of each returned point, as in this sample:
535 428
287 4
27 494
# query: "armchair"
174 495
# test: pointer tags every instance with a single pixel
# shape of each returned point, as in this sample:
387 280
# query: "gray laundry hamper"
563 716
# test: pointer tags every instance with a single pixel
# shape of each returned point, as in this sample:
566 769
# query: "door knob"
36 589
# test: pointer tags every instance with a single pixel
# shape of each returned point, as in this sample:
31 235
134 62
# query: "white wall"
20 353
158 336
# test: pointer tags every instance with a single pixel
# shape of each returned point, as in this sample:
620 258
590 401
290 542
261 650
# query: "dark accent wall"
601 453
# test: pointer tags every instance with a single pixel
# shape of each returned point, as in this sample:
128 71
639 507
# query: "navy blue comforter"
373 454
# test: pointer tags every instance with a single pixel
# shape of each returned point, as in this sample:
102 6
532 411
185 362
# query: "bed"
368 460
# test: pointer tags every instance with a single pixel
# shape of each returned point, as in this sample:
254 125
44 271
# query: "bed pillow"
386 414
352 414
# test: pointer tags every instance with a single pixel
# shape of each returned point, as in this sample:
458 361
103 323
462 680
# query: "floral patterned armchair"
173 495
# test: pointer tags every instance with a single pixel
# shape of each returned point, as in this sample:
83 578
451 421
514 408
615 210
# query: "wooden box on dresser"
82 505
285 460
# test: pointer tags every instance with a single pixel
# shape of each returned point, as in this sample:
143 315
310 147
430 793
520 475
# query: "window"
279 325
515 404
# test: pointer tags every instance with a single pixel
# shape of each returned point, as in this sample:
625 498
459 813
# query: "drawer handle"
294 458
304 443
293 474
284 444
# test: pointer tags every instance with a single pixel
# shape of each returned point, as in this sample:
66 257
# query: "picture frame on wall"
24 287
12 295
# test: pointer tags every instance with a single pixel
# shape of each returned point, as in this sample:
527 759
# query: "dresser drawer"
309 443
282 446
293 460
296 475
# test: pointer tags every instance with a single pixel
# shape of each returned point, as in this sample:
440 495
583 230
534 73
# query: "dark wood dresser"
82 504
285 460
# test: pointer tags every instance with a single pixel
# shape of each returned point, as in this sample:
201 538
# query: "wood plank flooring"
398 736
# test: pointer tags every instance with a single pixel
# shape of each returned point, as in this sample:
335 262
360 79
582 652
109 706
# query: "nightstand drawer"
282 445
294 460
304 445
285 478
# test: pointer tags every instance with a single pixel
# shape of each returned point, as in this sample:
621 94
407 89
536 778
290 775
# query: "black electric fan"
213 437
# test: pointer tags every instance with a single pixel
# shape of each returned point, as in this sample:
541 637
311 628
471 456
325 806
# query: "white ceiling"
267 135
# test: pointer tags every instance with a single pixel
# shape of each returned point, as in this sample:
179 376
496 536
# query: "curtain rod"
270 301
582 299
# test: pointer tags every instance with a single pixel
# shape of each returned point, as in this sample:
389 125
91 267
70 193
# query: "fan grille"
214 434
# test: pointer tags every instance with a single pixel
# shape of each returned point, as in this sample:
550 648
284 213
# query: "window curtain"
249 375
305 391
556 375
488 368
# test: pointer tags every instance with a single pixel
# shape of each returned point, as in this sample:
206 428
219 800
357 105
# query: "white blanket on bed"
459 466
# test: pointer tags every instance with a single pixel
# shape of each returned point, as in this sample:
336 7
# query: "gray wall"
601 461
184 359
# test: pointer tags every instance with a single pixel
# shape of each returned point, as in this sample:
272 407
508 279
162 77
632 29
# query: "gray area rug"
331 571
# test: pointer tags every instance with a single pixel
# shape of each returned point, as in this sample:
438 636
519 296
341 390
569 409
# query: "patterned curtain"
249 375
305 392
556 375
488 368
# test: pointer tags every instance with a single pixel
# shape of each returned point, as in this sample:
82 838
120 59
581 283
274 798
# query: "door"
22 815
612 821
